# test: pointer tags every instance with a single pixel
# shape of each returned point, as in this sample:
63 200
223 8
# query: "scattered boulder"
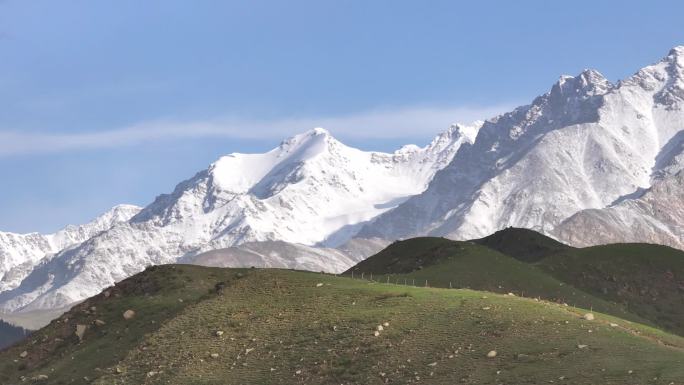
129 314
589 316
80 331
214 355
319 284
40 378
492 354
580 346
99 322
385 324
376 333
23 354
379 328
219 333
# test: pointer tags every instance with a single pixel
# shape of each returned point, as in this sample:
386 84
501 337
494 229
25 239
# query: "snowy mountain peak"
676 52
469 131
588 83
310 190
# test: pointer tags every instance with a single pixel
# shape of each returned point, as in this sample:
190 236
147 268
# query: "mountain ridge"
586 151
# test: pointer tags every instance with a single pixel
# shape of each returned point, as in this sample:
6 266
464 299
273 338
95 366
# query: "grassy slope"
445 263
157 294
301 333
644 279
647 279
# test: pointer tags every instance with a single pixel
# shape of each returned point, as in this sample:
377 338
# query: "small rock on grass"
319 284
492 354
219 333
129 314
580 346
214 355
589 317
80 331
23 354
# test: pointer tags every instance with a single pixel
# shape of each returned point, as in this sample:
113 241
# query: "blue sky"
106 102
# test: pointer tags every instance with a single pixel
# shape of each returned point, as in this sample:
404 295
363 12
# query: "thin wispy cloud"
376 124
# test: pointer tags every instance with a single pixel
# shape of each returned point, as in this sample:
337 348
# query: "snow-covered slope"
20 252
585 144
655 217
310 190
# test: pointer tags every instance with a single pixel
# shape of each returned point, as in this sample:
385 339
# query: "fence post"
362 275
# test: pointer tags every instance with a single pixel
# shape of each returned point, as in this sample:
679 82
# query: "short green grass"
647 280
288 327
438 262
157 294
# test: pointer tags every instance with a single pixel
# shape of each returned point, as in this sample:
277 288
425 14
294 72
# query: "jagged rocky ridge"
586 144
19 253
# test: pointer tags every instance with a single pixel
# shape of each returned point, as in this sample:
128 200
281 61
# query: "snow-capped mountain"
19 253
310 190
585 144
586 154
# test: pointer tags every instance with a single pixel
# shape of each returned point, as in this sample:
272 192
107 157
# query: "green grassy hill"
196 325
647 280
639 282
523 244
439 262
